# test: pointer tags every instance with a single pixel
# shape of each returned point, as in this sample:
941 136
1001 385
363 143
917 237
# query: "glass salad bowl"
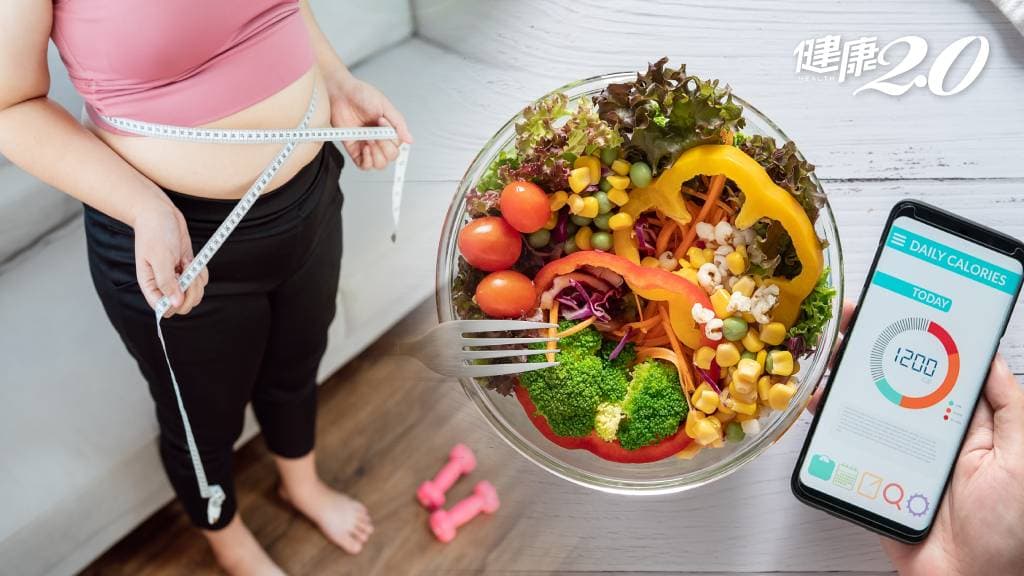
507 416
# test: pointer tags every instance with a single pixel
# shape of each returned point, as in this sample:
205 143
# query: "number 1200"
916 361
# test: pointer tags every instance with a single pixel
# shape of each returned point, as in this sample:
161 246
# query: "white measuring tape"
289 137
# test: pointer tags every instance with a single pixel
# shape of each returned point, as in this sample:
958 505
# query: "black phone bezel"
953 224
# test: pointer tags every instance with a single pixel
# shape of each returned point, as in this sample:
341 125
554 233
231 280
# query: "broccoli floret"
654 406
586 342
606 423
568 395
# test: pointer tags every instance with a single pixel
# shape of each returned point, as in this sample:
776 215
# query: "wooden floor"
385 424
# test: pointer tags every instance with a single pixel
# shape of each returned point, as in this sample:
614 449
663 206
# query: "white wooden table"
481 62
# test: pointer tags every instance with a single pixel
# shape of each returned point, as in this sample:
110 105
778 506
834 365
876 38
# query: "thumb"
1007 401
397 121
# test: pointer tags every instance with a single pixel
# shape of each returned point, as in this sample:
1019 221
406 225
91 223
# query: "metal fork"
444 349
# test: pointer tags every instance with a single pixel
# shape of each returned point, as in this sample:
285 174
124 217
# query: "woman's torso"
182 66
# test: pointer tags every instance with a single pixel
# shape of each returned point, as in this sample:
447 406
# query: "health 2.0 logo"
832 58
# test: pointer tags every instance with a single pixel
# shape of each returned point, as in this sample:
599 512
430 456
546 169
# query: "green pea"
604 205
748 355
601 221
609 155
570 246
605 185
539 239
734 328
571 228
580 220
734 432
601 241
640 174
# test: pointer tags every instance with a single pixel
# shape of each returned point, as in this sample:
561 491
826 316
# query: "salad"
676 255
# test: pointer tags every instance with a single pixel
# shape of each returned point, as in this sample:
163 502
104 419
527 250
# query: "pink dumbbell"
460 461
444 523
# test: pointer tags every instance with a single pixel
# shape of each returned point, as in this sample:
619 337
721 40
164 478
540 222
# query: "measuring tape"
289 137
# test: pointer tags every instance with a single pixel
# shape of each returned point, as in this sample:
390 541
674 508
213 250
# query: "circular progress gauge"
883 362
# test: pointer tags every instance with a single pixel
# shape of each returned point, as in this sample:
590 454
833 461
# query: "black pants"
258 334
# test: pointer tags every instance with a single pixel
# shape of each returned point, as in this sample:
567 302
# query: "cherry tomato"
490 243
525 206
506 294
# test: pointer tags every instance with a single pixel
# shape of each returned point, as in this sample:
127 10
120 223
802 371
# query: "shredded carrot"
714 191
661 340
578 327
652 309
553 331
664 236
684 371
642 326
639 308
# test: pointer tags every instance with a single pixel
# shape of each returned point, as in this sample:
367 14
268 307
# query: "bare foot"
344 521
238 552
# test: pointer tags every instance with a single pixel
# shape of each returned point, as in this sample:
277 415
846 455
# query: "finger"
397 121
147 282
354 150
979 435
193 296
389 149
1007 401
365 156
849 306
163 264
812 404
379 161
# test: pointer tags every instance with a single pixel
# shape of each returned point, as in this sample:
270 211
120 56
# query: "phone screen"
902 397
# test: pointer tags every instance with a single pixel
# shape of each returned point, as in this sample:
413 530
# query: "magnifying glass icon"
889 491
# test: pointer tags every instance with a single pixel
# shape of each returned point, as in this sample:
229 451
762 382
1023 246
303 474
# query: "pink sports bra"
182 62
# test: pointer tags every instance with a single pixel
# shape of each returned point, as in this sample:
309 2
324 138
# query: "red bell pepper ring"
611 451
649 283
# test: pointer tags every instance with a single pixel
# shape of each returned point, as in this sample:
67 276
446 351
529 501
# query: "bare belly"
225 171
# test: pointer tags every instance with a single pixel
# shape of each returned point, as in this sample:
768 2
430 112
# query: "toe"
350 544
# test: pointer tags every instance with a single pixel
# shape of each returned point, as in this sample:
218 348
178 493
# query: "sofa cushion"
359 28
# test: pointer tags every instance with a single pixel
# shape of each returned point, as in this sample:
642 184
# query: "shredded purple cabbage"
581 303
706 377
561 231
620 346
798 346
645 237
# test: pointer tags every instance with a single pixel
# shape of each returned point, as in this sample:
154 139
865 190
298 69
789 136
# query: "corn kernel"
744 408
747 371
579 179
749 318
618 182
558 200
695 256
761 357
779 362
592 164
618 197
620 167
688 273
727 354
779 395
720 303
552 222
708 430
709 255
745 286
764 384
582 238
725 415
743 389
620 221
742 250
706 401
752 342
736 262
693 417
703 356
650 262
575 202
591 207
773 333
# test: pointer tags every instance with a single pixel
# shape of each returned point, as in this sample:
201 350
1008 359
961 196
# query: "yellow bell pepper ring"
659 196
762 199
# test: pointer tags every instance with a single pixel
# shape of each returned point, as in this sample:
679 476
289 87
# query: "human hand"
354 104
162 251
978 528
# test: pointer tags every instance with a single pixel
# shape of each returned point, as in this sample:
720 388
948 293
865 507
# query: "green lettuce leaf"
815 312
787 168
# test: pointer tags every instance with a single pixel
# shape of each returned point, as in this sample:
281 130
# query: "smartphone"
909 371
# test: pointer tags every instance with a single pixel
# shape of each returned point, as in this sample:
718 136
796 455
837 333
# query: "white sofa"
79 466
